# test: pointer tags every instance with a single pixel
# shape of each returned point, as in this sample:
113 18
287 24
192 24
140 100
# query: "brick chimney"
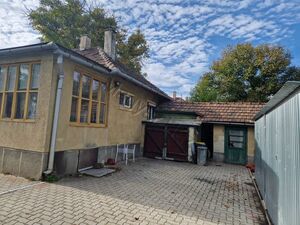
85 43
110 43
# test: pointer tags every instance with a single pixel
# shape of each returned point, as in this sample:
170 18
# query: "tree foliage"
246 73
65 21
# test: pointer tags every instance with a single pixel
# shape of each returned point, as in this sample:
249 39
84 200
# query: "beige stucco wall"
31 135
123 126
251 141
219 131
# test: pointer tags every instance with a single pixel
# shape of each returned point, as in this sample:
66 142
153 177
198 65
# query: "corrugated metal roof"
287 90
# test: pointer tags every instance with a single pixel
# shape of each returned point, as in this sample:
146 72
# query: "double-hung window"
19 84
126 100
89 100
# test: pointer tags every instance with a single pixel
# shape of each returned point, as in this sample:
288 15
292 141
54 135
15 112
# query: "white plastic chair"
125 150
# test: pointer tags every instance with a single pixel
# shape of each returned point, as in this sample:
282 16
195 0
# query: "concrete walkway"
145 192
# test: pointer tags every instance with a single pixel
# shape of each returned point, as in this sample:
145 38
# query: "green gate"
236 145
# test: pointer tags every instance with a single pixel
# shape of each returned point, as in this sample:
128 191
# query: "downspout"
60 65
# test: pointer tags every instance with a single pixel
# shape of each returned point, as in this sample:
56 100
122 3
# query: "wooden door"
154 141
236 145
177 143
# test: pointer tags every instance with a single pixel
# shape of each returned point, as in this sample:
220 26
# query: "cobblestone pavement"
145 192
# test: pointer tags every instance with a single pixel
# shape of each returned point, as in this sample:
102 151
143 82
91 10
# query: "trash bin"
201 153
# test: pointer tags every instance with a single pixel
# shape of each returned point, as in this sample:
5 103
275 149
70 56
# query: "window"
19 84
89 100
150 111
126 100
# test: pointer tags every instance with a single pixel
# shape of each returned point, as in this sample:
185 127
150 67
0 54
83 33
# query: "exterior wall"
123 125
250 144
24 146
31 135
277 161
219 132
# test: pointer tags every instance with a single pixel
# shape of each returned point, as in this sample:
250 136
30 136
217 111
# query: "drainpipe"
60 64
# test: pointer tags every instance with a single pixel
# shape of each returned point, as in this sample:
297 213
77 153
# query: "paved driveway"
146 192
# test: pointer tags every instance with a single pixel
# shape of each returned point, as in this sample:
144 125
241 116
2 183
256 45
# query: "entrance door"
236 145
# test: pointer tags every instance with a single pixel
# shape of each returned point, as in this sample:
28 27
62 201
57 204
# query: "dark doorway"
207 136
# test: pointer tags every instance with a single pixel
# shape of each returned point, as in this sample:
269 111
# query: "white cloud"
15 29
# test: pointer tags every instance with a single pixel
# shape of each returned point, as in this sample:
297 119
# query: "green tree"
247 73
65 21
205 91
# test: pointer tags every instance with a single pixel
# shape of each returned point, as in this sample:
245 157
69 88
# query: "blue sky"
184 36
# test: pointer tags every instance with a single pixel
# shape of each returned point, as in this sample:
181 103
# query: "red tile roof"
221 112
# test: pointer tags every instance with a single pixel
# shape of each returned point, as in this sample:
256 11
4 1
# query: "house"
277 157
59 108
226 128
64 110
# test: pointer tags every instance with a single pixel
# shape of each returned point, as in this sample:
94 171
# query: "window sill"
125 108
17 120
73 124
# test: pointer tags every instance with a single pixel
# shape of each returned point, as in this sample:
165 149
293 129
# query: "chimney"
174 95
110 43
85 43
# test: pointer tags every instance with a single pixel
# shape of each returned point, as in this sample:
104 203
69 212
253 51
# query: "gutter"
60 64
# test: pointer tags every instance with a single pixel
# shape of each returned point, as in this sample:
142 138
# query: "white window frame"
126 96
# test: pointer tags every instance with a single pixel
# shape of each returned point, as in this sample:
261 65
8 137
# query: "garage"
165 139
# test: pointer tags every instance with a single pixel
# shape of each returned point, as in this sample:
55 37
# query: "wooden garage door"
174 139
154 141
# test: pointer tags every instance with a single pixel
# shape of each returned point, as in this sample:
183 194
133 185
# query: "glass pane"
86 84
128 100
103 92
121 101
236 132
95 89
76 83
32 103
2 77
84 112
10 84
102 113
236 138
73 116
35 78
235 144
8 104
94 112
23 77
20 105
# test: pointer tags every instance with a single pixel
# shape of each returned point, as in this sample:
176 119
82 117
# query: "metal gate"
166 142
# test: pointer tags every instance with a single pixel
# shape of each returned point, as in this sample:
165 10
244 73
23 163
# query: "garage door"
154 141
177 143
166 142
